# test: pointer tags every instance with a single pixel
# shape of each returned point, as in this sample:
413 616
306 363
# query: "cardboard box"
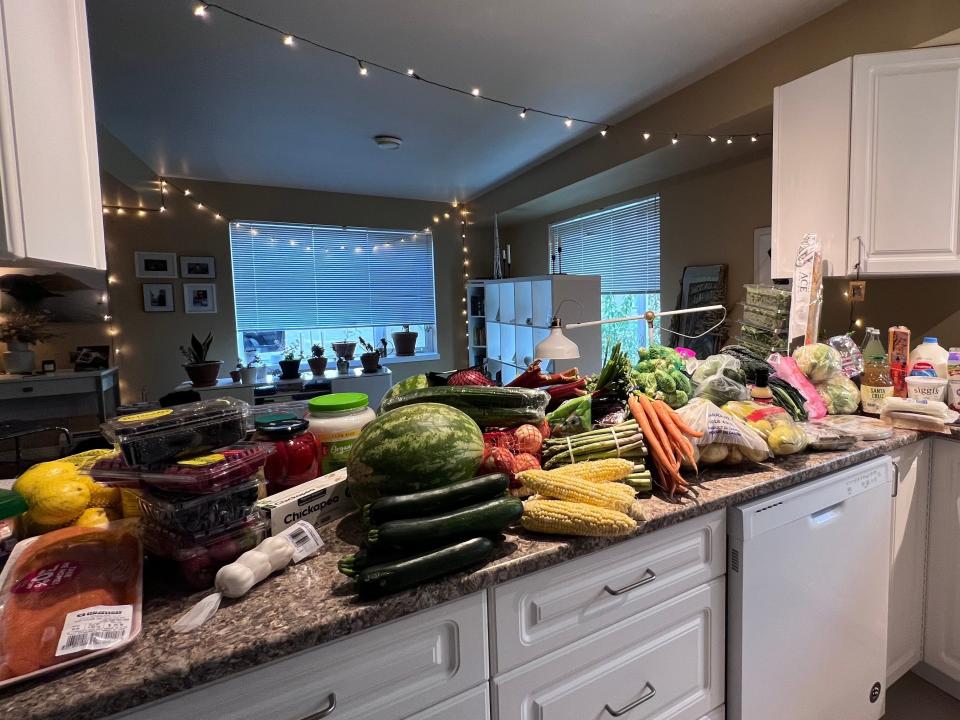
319 502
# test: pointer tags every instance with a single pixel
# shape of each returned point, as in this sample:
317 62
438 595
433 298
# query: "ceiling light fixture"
387 142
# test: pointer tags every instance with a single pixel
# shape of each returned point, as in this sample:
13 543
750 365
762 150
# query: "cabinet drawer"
536 614
471 705
666 661
719 714
46 388
385 673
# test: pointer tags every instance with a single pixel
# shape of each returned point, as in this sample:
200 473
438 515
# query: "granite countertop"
311 603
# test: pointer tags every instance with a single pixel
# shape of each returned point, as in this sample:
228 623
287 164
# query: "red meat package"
69 595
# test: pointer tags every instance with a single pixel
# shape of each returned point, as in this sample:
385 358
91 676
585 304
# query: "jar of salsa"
294 458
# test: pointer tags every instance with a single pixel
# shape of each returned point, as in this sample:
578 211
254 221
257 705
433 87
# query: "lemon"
102 496
27 483
92 517
58 500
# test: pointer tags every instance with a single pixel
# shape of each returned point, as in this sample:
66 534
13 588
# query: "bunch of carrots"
666 437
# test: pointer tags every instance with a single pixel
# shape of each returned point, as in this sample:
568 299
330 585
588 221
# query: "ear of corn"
573 518
599 471
610 495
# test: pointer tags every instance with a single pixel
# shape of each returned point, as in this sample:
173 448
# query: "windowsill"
421 357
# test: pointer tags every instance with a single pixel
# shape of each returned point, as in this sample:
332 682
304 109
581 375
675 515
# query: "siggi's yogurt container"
926 388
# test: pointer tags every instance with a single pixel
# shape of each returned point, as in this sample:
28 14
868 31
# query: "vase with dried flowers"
19 330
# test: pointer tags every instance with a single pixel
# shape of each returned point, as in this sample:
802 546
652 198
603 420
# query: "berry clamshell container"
195 560
202 515
167 434
204 474
762 317
769 297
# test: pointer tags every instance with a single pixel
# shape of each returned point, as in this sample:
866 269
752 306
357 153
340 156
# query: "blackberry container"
201 515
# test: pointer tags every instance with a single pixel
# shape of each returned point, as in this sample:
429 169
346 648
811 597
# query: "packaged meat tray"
216 471
201 515
167 434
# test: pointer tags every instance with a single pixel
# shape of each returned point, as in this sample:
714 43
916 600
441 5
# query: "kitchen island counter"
312 603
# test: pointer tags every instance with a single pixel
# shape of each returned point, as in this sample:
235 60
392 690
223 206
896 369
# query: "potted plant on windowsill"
290 364
317 360
202 372
405 342
371 358
248 374
20 330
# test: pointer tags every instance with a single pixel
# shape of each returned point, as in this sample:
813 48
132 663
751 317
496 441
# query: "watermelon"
414 382
412 448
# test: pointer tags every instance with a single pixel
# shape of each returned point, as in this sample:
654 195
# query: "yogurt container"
953 393
920 387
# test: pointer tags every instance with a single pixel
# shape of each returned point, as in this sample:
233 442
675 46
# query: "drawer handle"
27 389
647 695
648 577
331 706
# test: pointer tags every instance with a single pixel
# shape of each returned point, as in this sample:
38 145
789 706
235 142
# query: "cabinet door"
48 143
904 169
942 634
908 559
811 167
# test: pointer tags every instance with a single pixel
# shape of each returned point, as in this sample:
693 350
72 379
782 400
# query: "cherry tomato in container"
294 458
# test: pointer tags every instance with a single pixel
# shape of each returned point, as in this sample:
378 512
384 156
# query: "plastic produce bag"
726 439
818 361
774 424
824 437
851 358
571 418
69 595
719 379
787 370
840 394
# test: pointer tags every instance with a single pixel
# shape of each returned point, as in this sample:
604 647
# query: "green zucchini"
367 556
438 500
486 518
487 406
391 577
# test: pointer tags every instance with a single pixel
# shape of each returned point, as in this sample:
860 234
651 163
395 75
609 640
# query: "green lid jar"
12 507
336 421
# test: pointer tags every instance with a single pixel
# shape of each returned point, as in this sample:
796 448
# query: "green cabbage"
818 361
840 394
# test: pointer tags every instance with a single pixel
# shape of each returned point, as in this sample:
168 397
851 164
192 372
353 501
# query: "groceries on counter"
760 391
67 596
660 375
863 428
923 387
823 437
772 423
667 437
12 508
797 387
725 439
319 501
623 441
719 379
924 415
898 355
486 406
336 421
818 361
928 359
571 417
840 394
807 290
876 383
750 361
953 393
295 456
851 357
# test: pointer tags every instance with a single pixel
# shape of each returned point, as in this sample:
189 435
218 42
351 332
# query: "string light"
106 211
411 72
200 10
523 113
603 133
730 140
446 216
646 135
363 68
475 92
288 40
568 122
675 139
187 192
436 218
753 138
711 138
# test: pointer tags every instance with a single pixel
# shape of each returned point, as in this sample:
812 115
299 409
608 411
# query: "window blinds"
292 277
620 244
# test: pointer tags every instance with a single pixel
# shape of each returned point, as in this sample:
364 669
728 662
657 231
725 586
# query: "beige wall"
706 218
148 342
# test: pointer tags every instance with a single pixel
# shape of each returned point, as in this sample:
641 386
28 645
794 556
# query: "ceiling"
219 99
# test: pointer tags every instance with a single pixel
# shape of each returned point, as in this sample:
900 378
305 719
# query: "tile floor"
912 698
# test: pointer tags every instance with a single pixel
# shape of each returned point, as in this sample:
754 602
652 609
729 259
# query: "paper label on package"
95 628
305 538
807 291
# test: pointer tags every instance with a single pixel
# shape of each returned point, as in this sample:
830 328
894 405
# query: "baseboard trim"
938 678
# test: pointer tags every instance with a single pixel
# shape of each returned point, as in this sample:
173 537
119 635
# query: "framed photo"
91 357
197 267
156 264
200 297
158 297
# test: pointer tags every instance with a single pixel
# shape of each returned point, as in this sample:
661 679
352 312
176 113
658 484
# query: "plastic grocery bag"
726 439
818 361
774 424
719 379
571 418
787 370
840 394
69 595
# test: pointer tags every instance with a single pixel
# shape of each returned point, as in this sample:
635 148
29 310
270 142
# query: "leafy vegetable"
840 394
818 361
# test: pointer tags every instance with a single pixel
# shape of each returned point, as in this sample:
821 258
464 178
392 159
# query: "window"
622 245
306 284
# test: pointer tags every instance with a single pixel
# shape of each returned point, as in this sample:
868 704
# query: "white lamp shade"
556 346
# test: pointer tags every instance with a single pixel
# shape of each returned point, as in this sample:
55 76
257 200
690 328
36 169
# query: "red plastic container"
293 459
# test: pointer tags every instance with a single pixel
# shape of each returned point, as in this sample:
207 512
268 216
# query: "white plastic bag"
726 439
719 379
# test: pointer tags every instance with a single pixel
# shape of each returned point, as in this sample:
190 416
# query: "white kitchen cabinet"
49 168
867 156
908 559
942 632
472 705
665 662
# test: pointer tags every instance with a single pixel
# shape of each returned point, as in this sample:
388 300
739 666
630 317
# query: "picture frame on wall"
158 297
200 297
197 267
155 264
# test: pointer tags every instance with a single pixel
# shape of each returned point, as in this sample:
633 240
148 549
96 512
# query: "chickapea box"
319 502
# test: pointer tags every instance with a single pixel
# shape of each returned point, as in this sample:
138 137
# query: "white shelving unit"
507 318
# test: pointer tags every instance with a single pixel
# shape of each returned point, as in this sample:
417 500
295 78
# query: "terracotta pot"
235 375
344 349
290 369
370 361
203 374
317 365
405 343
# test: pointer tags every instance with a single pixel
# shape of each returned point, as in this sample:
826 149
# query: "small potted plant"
290 364
248 374
344 349
19 331
370 359
317 360
235 373
405 342
202 372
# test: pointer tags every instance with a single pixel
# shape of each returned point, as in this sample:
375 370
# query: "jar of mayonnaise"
336 421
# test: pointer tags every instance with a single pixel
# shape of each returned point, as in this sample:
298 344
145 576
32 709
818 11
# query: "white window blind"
620 244
315 276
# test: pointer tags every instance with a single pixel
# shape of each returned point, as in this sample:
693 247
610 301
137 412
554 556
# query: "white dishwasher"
808 580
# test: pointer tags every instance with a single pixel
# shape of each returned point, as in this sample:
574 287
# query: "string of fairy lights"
523 110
